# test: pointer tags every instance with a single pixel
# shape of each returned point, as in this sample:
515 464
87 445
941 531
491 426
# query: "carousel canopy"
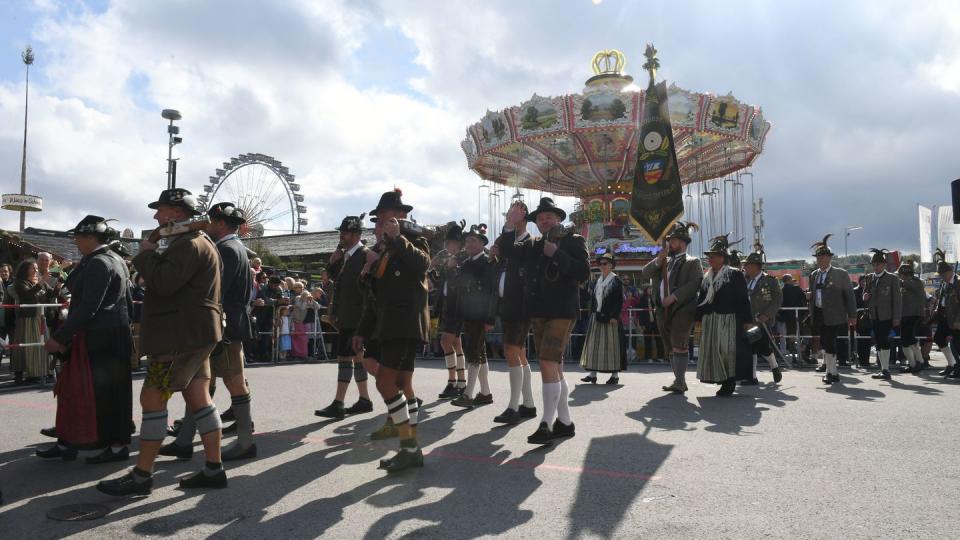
581 144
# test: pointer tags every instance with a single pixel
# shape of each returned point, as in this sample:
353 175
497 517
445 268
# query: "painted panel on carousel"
602 109
539 115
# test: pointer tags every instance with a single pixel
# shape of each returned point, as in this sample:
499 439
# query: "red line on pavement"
27 405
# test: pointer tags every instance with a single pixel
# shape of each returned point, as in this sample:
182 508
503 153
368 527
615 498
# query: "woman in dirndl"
723 307
29 364
602 350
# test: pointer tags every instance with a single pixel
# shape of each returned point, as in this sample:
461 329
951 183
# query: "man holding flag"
656 206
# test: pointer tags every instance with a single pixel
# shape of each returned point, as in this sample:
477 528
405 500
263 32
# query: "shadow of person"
584 393
923 390
605 491
770 394
268 487
668 412
855 394
730 414
473 469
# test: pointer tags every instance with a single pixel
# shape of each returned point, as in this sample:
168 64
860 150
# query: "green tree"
267 258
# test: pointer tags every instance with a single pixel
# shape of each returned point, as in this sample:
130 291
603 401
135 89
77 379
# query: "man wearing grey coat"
833 307
765 301
884 304
676 280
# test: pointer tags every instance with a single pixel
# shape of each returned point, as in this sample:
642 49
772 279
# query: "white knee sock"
472 371
831 361
911 359
884 355
563 405
948 354
754 366
516 384
484 375
461 361
917 354
771 361
450 360
527 386
551 397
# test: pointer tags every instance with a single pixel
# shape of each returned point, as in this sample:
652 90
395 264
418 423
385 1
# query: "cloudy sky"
358 96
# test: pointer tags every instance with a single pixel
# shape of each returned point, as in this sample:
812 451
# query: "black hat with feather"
821 247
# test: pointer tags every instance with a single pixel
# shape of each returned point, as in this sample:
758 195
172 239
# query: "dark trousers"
828 333
474 341
881 334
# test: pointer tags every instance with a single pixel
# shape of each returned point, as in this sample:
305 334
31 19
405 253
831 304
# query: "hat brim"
480 236
532 216
724 253
403 208
156 204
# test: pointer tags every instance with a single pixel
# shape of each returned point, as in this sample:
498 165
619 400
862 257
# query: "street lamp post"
27 57
172 133
847 235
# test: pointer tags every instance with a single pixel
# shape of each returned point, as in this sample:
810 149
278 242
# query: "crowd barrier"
633 332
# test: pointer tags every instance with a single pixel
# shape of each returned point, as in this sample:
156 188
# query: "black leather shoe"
727 388
821 368
49 432
235 453
750 382
830 378
177 451
541 436
946 372
956 372
125 485
613 380
777 375
66 454
201 480
402 461
109 456
228 415
361 406
675 388
589 379
450 391
885 375
483 399
561 430
174 430
509 416
463 401
333 410
527 412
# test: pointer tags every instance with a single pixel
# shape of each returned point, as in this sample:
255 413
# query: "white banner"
926 234
948 234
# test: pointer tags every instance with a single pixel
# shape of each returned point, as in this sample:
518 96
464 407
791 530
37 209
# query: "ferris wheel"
264 189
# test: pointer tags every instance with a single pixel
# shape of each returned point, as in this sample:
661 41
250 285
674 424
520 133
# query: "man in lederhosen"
181 325
832 306
475 289
885 304
765 301
396 315
914 300
947 315
675 298
345 266
516 327
226 360
450 324
97 332
553 268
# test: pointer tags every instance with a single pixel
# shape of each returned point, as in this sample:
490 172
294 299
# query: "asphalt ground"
862 459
